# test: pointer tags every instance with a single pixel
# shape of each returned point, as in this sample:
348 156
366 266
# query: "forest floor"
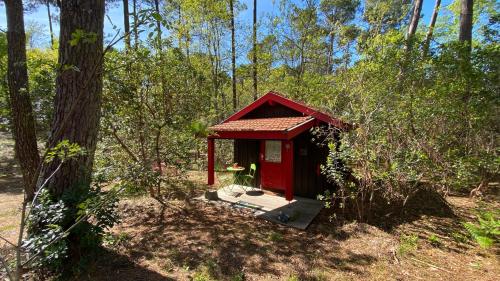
193 240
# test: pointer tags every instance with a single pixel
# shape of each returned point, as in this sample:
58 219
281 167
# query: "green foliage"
45 226
407 244
459 237
4 97
81 212
52 225
238 277
115 240
434 240
486 232
136 179
207 271
417 119
42 75
41 65
63 151
80 36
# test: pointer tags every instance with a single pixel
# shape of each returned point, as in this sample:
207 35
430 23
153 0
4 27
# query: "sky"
39 16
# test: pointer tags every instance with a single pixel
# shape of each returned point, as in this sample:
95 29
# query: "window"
273 151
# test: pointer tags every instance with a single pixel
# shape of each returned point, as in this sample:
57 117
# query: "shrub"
82 214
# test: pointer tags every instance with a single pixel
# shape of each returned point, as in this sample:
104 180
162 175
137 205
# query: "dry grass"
192 240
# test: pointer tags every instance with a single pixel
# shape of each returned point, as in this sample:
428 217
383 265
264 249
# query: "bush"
82 215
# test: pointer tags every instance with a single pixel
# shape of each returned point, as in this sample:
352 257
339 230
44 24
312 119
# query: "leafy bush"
45 225
82 214
487 232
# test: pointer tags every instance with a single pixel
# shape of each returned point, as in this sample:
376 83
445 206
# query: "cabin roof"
305 110
262 124
243 125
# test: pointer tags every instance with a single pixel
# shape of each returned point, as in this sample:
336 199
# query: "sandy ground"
192 240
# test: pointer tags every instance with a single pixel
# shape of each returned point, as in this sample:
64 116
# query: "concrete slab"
300 211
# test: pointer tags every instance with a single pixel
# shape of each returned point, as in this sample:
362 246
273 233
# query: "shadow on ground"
113 266
204 235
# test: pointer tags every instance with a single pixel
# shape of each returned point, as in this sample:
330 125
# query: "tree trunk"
158 25
126 24
233 56
466 11
50 24
78 92
136 32
254 60
417 8
330 53
179 24
428 37
23 121
163 83
465 36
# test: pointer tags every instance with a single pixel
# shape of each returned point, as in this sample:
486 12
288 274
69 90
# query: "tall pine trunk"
432 23
23 121
331 46
233 56
126 24
136 32
78 92
466 11
465 36
254 59
415 18
47 3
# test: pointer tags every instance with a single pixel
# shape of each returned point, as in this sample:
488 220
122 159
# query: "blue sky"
114 13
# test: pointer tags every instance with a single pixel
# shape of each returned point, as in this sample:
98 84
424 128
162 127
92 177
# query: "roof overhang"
283 134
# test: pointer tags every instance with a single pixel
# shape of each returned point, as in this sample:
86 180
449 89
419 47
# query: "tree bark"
432 23
78 92
233 56
466 11
254 59
47 2
126 24
23 121
412 29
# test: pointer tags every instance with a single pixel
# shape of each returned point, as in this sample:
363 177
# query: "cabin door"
272 168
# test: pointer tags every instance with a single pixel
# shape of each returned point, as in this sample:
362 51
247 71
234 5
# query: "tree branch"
8 242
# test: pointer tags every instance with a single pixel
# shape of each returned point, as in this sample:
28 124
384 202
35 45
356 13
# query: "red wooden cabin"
274 133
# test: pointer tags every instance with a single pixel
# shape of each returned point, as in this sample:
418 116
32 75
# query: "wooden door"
272 167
